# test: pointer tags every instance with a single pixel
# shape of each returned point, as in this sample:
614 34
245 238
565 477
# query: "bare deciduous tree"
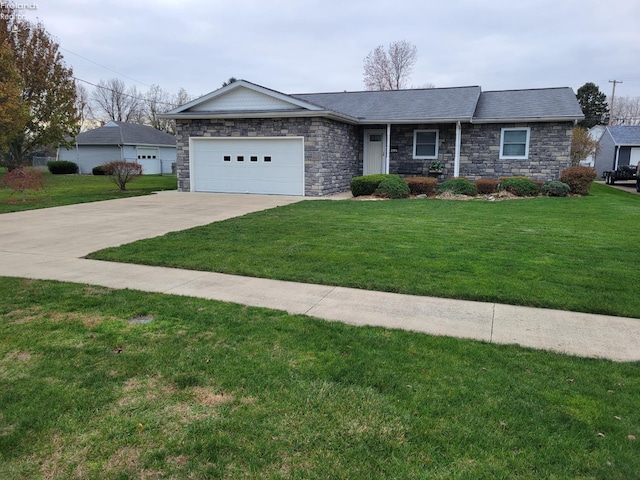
83 106
112 100
389 69
157 101
626 111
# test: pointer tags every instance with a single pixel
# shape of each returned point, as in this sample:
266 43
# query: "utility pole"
613 95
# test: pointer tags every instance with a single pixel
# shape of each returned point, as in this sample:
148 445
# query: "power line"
107 68
121 93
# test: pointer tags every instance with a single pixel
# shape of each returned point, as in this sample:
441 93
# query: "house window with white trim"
425 144
514 143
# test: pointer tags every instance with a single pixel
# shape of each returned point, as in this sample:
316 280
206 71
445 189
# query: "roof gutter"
527 119
411 121
270 114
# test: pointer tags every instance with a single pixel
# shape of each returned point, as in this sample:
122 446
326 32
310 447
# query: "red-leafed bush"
579 179
19 180
122 173
422 185
486 186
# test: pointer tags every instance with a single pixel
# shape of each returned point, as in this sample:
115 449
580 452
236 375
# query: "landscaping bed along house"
573 181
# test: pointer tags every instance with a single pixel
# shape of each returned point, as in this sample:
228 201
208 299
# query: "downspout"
388 149
456 158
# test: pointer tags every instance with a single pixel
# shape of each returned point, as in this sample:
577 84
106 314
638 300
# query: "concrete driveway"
76 230
48 244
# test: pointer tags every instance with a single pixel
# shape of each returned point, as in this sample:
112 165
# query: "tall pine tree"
594 105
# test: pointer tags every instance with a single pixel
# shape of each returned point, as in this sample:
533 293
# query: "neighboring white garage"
263 165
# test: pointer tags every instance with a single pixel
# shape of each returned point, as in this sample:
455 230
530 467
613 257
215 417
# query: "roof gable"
243 96
625 134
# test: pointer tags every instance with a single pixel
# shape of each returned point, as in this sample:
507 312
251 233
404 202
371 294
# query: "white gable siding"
243 99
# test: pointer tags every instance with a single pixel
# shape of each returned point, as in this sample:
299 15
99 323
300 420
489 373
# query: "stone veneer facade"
331 149
549 151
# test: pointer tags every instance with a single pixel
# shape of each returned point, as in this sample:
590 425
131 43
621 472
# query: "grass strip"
211 390
575 253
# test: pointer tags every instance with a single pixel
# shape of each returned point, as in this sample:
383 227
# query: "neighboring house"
619 147
244 138
595 133
151 148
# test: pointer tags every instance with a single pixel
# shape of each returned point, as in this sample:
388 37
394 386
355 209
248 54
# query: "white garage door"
273 165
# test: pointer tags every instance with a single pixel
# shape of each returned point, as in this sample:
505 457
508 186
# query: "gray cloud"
303 46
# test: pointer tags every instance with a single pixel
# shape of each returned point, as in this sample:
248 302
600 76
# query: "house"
595 133
245 138
619 147
151 148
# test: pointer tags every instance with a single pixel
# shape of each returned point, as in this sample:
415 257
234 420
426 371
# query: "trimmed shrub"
366 185
519 186
62 167
486 186
99 170
555 189
459 186
579 179
422 185
392 187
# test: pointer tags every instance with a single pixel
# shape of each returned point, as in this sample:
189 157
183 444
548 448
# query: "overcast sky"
301 46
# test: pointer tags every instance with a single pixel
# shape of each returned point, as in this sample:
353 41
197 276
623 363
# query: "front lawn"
578 253
69 189
99 383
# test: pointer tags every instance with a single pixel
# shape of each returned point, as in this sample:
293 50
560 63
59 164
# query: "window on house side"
254 159
267 159
425 144
514 143
240 158
227 158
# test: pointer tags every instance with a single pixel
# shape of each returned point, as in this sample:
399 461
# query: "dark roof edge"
371 91
566 118
262 114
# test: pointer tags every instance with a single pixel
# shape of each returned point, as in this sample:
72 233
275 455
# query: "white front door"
375 148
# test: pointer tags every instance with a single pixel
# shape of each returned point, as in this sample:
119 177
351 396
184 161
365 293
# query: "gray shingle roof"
123 133
430 104
544 103
625 135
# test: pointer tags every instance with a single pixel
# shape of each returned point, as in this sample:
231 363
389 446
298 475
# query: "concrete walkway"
48 243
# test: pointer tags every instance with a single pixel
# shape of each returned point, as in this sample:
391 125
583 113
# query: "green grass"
69 189
578 253
214 390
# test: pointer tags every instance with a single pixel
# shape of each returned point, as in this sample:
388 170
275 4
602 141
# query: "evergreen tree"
594 105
